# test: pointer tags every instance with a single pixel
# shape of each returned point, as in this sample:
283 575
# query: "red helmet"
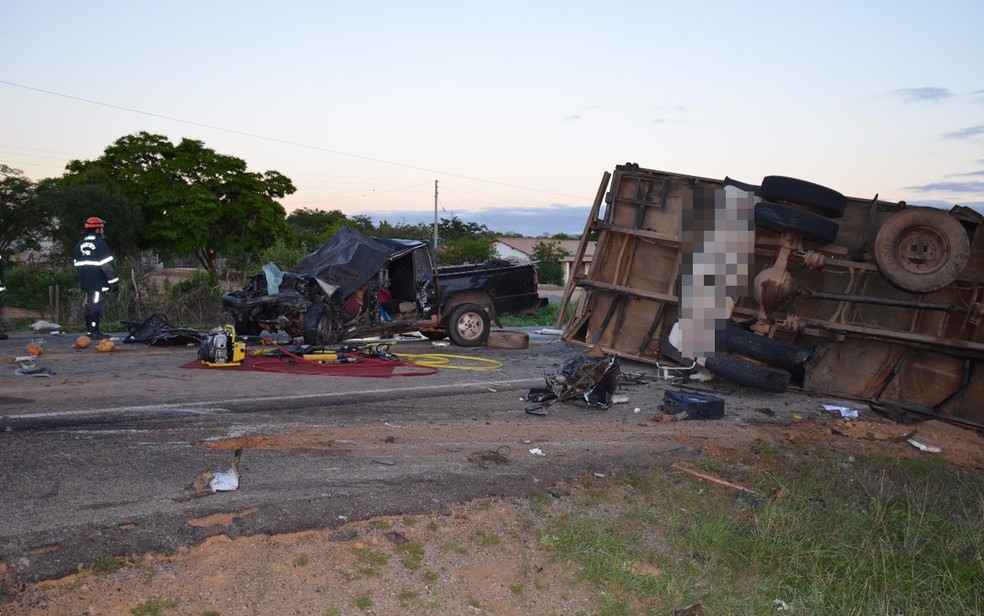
94 222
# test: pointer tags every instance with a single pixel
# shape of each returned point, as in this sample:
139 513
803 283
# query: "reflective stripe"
95 297
96 263
2 288
113 281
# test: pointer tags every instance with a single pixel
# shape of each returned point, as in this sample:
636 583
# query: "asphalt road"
98 459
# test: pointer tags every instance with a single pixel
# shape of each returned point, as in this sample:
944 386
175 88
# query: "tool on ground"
220 349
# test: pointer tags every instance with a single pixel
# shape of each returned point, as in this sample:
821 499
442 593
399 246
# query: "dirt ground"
474 557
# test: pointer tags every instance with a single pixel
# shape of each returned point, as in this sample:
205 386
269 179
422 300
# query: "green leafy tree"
23 220
310 228
72 204
193 199
548 256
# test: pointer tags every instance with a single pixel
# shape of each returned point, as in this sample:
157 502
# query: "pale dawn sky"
515 108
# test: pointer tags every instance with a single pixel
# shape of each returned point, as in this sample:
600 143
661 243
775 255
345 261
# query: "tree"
548 256
72 204
23 221
311 228
192 199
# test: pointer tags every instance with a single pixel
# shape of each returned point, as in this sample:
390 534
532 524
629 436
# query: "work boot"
92 325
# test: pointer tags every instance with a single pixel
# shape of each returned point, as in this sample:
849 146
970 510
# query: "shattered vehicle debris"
857 298
358 286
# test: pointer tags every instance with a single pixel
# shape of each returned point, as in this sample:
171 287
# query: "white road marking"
206 408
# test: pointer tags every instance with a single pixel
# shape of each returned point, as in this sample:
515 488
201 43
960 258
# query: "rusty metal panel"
875 340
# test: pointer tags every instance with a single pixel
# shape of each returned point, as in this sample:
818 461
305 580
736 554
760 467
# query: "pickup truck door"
423 268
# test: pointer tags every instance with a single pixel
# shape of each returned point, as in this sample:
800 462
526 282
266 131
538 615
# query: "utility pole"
435 217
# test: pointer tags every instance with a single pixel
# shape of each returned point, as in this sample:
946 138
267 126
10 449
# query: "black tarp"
350 259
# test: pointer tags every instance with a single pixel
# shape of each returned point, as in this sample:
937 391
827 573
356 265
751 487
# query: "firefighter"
3 292
97 274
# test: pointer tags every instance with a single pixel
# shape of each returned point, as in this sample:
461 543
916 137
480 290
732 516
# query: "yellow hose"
442 360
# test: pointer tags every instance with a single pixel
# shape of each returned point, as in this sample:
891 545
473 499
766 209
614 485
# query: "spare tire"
921 249
779 217
744 372
818 198
774 352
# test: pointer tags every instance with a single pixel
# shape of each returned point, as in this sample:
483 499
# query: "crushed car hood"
350 259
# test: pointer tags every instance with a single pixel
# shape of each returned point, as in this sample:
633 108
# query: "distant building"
520 250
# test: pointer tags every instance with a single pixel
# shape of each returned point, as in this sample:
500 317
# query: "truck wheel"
744 372
468 325
779 217
921 250
774 352
790 190
319 327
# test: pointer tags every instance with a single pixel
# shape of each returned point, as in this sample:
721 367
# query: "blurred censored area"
718 244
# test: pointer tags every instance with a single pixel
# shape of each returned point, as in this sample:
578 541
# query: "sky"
515 109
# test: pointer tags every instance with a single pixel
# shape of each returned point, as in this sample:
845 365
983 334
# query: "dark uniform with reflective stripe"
97 275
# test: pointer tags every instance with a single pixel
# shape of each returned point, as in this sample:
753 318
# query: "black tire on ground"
778 353
468 325
318 325
818 198
779 217
744 372
921 249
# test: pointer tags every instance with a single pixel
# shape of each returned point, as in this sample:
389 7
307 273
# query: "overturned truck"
786 282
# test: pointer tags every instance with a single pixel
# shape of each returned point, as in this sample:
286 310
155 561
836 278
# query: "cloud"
965 133
952 187
964 175
922 95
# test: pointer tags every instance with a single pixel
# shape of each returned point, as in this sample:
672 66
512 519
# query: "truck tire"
319 328
779 217
921 250
778 353
468 325
818 198
744 372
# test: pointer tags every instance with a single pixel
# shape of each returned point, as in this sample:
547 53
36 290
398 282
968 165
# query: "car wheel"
468 325
319 328
744 372
818 198
921 250
779 217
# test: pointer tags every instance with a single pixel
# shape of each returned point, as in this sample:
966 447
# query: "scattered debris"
925 445
845 412
39 325
397 538
489 456
228 479
385 461
689 405
782 606
679 466
32 370
536 451
694 609
590 381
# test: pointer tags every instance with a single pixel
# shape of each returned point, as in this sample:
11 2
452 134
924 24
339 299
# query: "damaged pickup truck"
786 282
357 286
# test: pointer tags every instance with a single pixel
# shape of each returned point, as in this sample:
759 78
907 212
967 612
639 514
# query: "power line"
277 140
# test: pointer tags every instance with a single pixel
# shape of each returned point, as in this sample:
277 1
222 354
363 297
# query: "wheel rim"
469 326
922 250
